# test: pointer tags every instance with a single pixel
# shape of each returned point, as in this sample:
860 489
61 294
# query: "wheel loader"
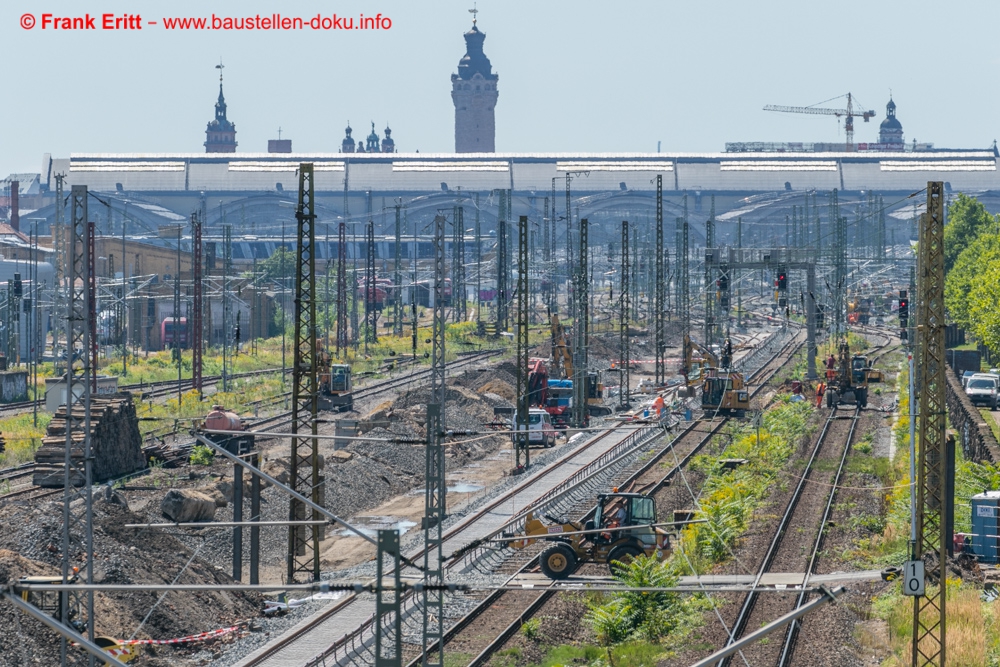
599 542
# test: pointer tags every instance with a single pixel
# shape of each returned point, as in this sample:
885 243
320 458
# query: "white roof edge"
881 155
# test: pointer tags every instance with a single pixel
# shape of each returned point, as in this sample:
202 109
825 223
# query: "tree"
968 271
281 264
967 219
983 299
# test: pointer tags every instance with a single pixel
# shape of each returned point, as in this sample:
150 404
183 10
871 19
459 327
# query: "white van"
540 429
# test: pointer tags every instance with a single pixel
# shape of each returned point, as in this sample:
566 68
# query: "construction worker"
820 390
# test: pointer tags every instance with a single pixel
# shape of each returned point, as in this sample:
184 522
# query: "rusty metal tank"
220 419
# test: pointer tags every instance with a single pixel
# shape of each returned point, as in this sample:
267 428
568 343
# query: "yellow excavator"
723 390
848 380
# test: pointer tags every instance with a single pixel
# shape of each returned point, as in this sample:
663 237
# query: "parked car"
965 377
540 429
982 389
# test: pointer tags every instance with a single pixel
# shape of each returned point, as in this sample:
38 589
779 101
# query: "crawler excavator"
723 390
847 382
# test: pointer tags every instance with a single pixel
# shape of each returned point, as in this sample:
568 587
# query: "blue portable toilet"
985 527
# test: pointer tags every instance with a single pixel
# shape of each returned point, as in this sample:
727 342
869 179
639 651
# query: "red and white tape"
201 636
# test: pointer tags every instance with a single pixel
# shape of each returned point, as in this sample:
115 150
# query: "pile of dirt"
30 545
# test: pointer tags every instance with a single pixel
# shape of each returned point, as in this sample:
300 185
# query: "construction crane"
849 113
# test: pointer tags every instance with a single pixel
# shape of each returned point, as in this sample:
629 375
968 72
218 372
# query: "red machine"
538 382
220 419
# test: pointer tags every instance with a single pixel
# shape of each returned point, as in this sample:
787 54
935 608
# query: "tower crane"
849 113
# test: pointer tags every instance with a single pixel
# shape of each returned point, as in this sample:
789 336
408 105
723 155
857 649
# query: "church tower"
474 92
890 132
220 135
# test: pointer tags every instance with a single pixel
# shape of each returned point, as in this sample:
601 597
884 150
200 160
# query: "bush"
202 455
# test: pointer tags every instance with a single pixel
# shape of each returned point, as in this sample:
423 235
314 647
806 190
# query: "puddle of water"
375 524
465 487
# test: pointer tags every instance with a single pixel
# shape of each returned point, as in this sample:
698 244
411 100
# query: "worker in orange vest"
820 390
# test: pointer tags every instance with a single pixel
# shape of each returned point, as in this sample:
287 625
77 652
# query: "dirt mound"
30 546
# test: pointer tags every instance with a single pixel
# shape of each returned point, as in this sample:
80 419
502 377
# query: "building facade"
474 93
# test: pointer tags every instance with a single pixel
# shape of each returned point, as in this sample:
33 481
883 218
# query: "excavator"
336 388
723 390
561 355
849 377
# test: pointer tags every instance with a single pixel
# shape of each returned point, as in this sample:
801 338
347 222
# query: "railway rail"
477 530
646 477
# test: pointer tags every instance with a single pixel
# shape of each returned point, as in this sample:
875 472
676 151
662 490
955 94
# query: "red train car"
174 333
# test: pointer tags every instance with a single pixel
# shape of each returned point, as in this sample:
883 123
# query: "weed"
531 629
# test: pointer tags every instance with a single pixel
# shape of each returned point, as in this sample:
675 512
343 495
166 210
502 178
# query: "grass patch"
973 637
22 437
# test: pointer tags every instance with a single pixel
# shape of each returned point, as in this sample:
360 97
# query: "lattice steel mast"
78 518
434 483
580 334
522 456
933 503
303 542
660 303
623 320
197 330
397 278
342 289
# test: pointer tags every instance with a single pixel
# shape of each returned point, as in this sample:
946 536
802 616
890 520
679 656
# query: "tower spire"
220 134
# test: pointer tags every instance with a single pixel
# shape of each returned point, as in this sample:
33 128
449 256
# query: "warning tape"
201 636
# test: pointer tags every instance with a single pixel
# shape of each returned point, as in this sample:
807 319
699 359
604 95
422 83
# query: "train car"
377 296
174 332
220 419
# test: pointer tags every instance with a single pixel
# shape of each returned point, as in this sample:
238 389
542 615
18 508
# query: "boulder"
220 492
341 456
185 505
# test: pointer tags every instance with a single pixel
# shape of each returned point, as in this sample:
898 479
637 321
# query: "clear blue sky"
574 75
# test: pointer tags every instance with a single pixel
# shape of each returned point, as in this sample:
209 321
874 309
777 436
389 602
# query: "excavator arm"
560 352
708 359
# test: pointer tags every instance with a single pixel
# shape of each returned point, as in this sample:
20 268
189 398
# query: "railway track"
349 621
799 517
354 646
646 476
597 462
805 515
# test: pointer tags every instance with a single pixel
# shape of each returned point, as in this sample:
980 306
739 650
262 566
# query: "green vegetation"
637 616
530 628
22 437
968 615
730 497
967 219
202 455
281 264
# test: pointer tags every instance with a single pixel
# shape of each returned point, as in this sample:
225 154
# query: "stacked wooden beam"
115 442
